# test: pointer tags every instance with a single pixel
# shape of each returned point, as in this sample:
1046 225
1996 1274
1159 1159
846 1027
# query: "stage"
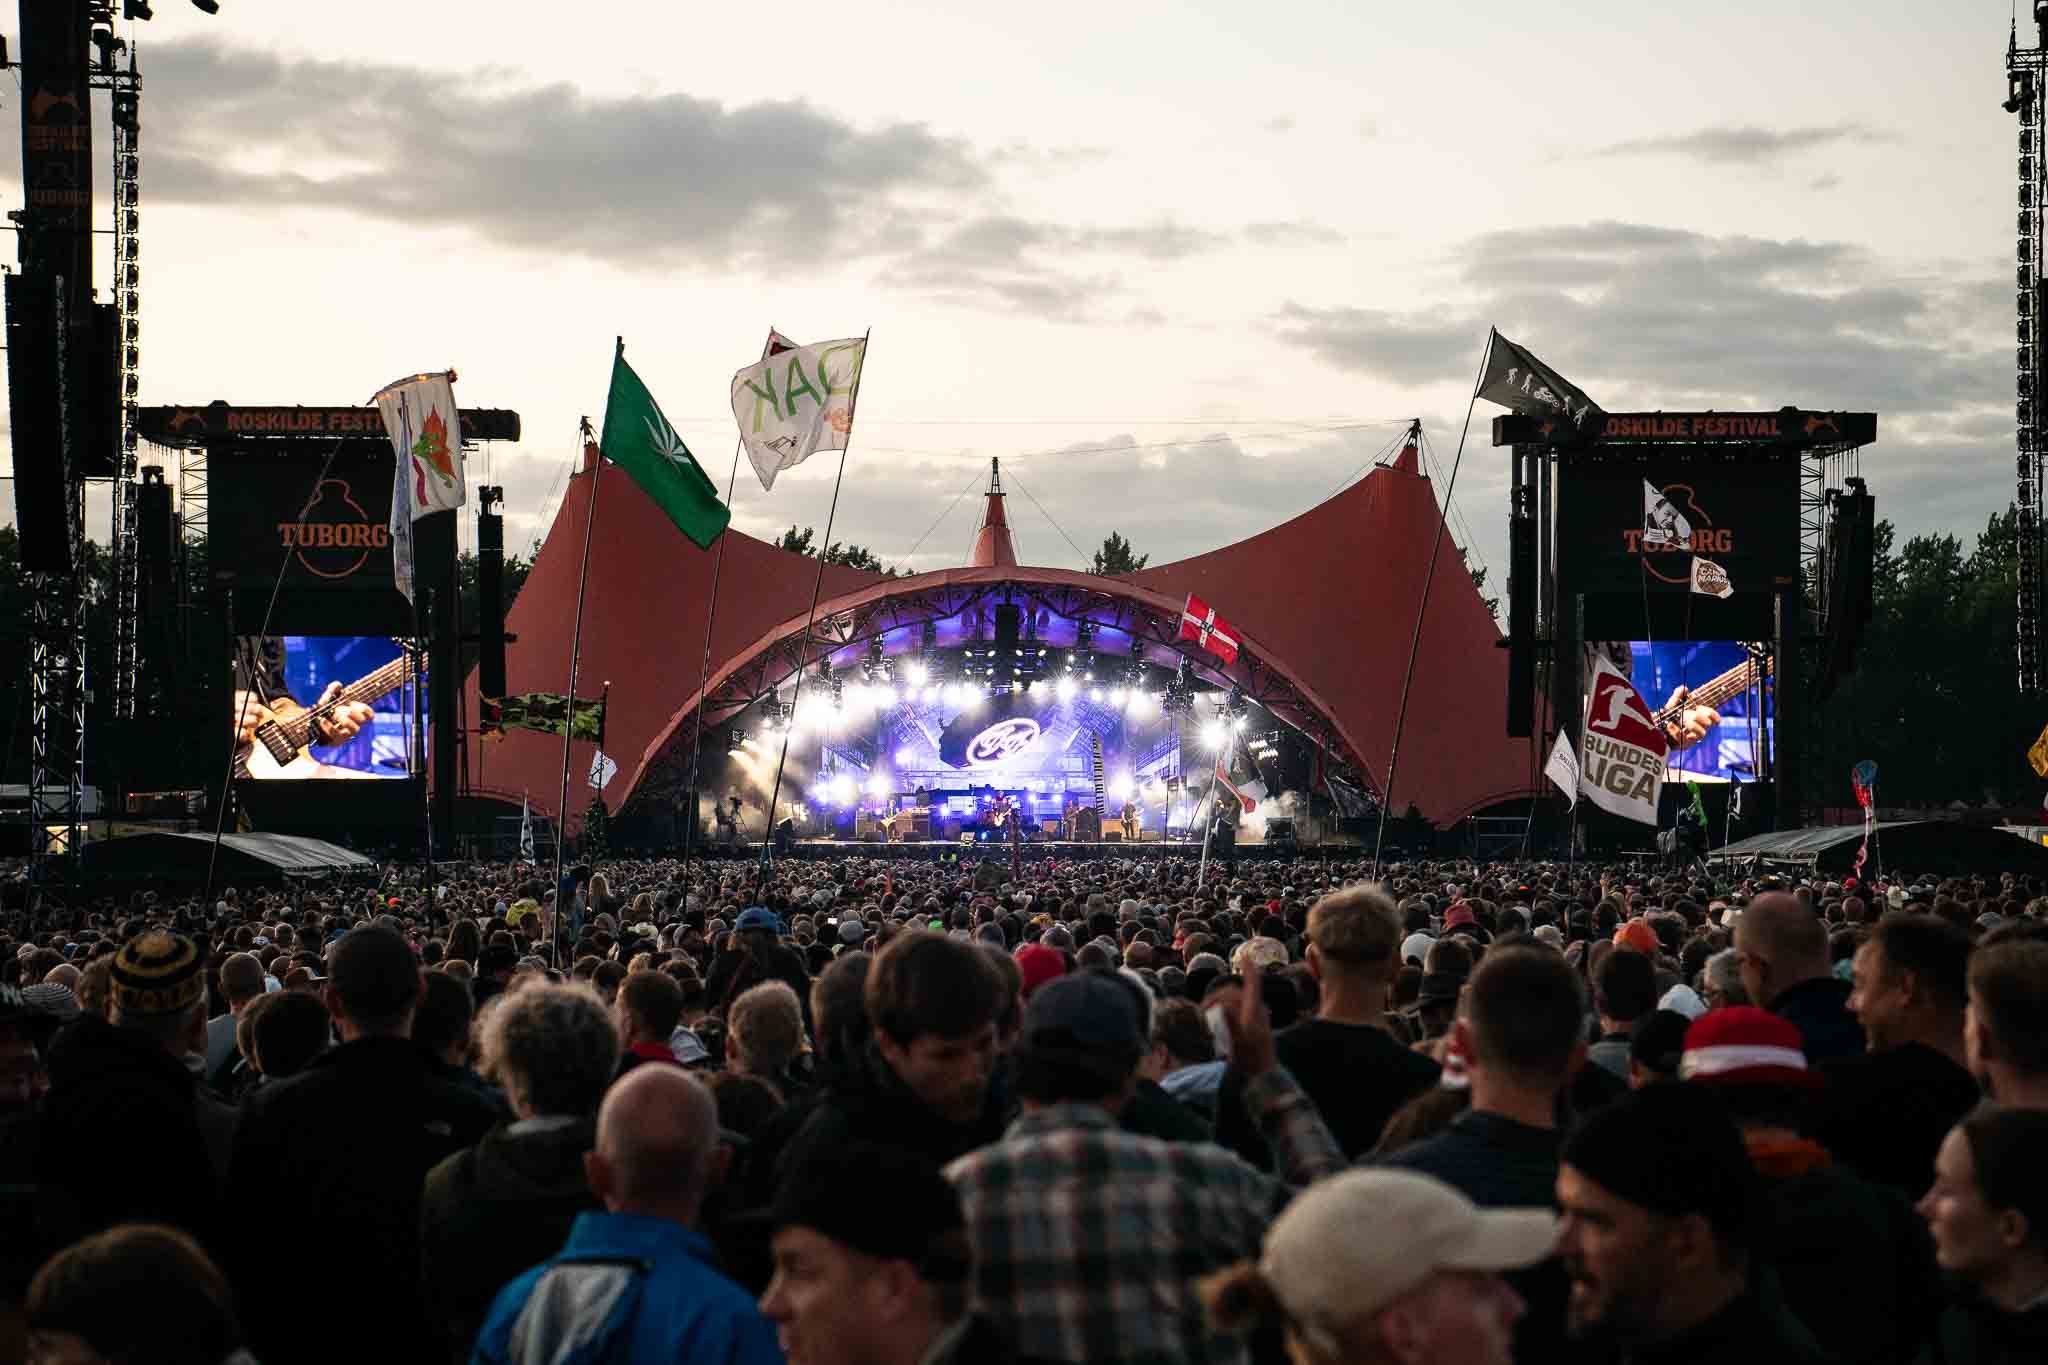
1063 850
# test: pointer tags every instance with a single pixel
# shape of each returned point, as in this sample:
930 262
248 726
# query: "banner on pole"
525 829
1562 769
796 403
602 771
1622 770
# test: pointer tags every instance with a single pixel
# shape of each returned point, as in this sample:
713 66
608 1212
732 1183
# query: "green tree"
1115 557
851 556
597 823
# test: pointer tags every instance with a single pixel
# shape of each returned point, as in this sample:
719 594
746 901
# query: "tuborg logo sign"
334 536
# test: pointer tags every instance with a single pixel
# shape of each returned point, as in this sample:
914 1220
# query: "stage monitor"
1719 672
1679 541
281 682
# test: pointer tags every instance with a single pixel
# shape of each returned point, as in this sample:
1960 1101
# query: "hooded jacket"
494 1210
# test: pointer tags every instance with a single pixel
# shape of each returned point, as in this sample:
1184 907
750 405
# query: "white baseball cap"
1327 1276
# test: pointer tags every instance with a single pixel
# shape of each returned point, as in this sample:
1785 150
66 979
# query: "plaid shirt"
1088 1240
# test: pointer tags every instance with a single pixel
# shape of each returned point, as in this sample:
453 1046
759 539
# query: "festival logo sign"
333 536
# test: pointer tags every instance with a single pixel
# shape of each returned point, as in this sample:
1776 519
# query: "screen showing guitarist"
275 730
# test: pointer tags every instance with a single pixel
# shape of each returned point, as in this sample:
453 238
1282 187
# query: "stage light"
931 692
1214 734
879 785
955 694
886 696
843 791
1066 688
1095 694
918 673
1120 787
970 700
1237 722
905 756
1116 696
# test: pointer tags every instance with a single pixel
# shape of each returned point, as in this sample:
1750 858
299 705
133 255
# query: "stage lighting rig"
875 667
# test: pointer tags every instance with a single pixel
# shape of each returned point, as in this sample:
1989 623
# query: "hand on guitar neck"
1685 722
334 722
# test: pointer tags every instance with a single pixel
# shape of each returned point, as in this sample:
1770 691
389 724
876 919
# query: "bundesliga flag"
796 402
1562 768
1622 769
1199 622
426 439
639 440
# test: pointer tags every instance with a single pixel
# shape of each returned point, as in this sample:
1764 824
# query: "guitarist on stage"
261 695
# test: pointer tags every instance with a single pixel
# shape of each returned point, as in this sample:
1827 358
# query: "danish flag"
1199 622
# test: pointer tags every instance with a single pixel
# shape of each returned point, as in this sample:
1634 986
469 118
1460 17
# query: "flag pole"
817 586
710 619
1422 607
583 432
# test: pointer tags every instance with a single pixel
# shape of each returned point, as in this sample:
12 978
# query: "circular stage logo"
1002 742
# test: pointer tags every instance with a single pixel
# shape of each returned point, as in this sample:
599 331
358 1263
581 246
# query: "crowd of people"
851 1112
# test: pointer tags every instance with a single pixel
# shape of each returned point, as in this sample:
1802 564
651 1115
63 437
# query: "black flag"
1516 379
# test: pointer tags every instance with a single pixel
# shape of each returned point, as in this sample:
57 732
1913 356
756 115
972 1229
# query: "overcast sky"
1185 266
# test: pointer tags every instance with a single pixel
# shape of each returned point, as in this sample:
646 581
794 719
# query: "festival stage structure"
1048 686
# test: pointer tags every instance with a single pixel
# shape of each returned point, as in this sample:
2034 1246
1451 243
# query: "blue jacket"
626 1287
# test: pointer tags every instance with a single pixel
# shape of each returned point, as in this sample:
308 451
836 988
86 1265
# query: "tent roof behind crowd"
180 859
1325 602
1942 848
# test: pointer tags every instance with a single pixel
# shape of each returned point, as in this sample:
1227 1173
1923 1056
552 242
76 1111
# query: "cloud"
1291 234
633 179
1416 349
1744 145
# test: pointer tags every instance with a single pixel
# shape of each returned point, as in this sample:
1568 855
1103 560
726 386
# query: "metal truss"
127 87
2026 72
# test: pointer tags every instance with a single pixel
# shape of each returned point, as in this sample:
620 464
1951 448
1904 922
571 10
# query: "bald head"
657 1137
1783 941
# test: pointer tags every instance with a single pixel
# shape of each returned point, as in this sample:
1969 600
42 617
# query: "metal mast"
2026 71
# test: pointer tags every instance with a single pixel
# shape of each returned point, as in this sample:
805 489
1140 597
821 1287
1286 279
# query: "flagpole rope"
1083 554
569 712
817 587
1422 607
710 618
912 551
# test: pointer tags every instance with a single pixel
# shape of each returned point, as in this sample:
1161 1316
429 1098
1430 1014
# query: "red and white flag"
1199 622
1622 767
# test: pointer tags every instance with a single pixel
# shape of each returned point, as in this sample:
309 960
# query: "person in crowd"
2006 1023
1853 1263
635 1280
241 981
349 1141
757 955
1434 1294
1988 1213
872 1265
492 1210
1344 1058
764 1037
1721 980
123 1085
138 1294
925 1082
1655 1051
648 1009
1658 1248
24 1035
441 1030
1624 994
1786 969
1522 1038
1885 1114
1181 1038
1163 1212
287 1030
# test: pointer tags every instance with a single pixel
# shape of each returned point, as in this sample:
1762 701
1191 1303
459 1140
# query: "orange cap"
1637 935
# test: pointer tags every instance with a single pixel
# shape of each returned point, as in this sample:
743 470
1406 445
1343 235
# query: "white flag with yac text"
797 402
